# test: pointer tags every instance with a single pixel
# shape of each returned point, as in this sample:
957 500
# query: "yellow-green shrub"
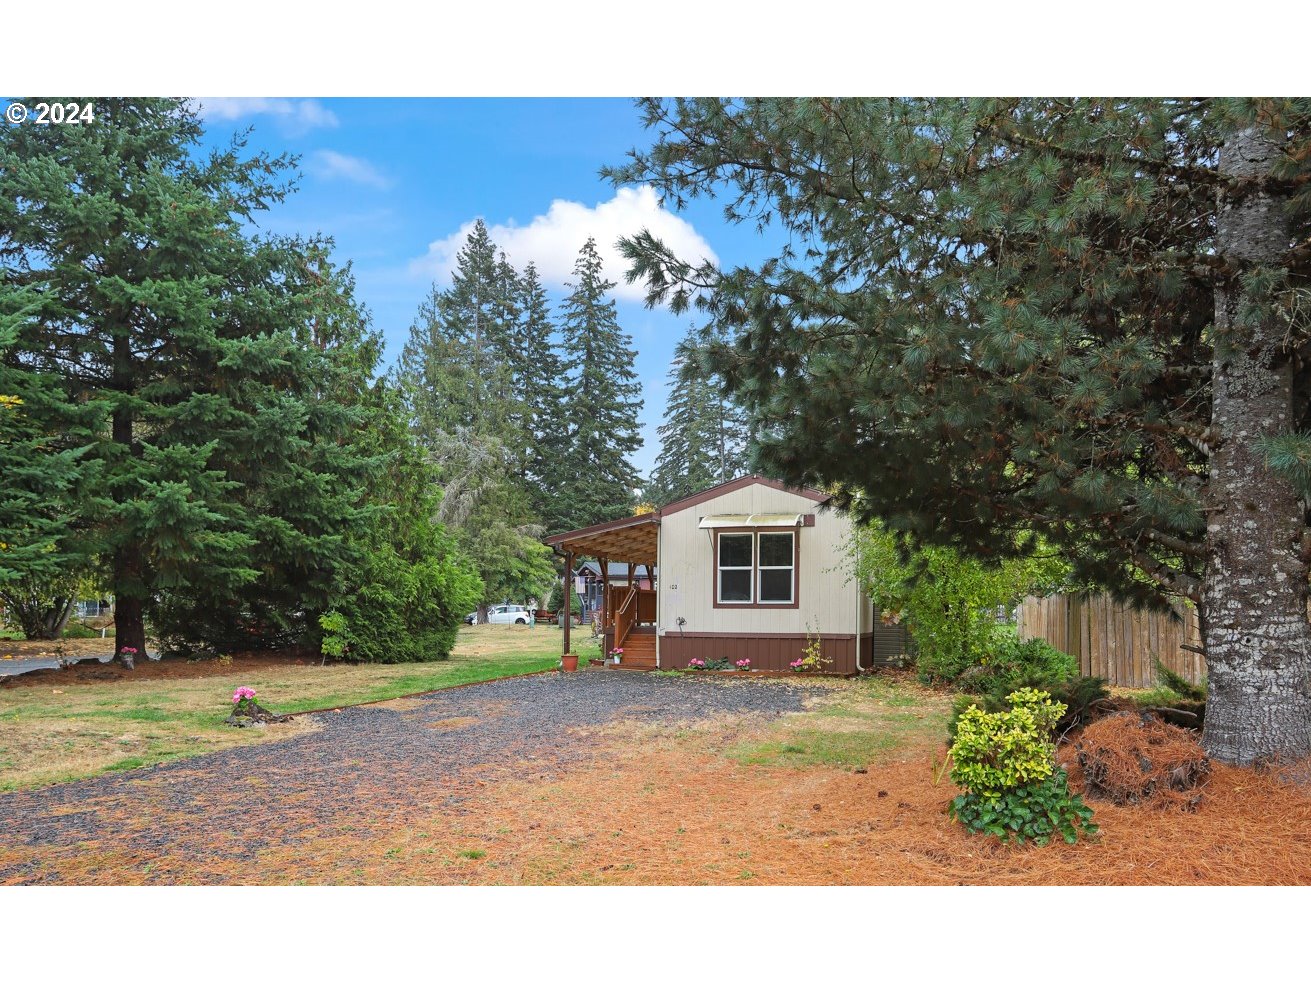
1006 767
996 751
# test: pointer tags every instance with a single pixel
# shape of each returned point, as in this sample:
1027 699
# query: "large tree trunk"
129 631
129 580
1254 601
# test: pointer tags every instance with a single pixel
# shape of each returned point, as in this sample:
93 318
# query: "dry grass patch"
56 732
852 725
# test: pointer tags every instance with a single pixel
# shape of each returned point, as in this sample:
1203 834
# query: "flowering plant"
616 653
797 666
242 695
696 663
743 664
128 650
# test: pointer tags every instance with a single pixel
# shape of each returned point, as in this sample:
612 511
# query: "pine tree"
604 401
703 439
1081 318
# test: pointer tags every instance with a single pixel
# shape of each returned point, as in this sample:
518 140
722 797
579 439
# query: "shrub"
1036 811
1079 694
336 640
403 609
1009 664
75 629
709 664
555 600
1176 683
1005 764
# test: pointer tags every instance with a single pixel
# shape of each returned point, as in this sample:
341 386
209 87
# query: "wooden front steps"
639 652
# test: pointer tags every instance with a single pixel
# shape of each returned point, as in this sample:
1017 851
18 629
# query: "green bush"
1036 811
1005 765
1077 693
555 601
1171 680
404 611
1009 664
76 630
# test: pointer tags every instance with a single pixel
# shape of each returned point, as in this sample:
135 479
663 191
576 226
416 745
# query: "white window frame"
720 568
791 567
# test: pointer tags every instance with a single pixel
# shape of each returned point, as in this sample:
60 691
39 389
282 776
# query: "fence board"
1114 641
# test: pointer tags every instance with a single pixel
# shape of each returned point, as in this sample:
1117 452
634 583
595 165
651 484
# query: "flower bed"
772 673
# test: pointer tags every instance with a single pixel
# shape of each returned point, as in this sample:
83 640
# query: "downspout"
660 589
860 606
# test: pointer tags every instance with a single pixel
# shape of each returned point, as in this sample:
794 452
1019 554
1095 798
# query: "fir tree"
225 480
463 370
1081 318
44 440
703 439
604 401
540 381
456 356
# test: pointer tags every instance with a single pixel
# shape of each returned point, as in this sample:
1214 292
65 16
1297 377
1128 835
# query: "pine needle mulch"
668 805
657 815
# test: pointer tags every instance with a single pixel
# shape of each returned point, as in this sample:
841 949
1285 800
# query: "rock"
254 715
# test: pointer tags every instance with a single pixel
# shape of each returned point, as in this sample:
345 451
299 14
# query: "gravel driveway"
367 765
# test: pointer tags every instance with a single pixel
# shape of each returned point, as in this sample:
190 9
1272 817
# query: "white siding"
827 592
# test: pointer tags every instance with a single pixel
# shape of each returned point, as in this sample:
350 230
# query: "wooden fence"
1114 641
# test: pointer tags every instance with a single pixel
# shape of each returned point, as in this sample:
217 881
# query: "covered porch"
628 611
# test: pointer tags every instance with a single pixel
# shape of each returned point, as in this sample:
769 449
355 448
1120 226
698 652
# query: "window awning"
752 520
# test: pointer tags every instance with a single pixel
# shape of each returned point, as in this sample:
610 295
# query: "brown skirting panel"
765 651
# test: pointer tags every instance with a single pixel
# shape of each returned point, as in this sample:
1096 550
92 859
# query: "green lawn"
863 722
59 733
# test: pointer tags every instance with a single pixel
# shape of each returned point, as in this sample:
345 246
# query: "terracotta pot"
569 663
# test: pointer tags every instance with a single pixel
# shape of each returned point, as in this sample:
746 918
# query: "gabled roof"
634 537
747 480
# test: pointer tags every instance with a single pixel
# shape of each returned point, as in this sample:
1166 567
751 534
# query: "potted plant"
569 662
616 655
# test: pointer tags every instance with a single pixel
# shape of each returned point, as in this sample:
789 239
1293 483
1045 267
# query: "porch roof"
633 538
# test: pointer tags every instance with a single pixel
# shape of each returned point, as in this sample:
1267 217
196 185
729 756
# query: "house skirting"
773 652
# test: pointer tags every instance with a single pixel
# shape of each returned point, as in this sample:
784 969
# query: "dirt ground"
94 672
847 790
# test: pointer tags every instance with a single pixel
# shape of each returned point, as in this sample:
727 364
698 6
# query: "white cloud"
293 116
330 164
552 240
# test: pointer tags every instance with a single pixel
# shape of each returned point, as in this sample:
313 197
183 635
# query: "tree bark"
1254 600
129 631
128 570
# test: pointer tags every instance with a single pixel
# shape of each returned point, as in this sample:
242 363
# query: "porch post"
605 593
568 591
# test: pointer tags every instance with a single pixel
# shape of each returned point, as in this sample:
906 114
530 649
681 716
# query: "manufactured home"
750 569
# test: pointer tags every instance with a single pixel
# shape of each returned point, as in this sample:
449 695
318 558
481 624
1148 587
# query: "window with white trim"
735 568
776 567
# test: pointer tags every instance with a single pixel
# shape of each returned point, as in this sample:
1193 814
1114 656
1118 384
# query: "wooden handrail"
625 617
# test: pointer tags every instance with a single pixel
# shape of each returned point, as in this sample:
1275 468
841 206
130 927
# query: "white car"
509 614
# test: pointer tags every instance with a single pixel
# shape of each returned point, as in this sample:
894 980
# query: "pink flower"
242 693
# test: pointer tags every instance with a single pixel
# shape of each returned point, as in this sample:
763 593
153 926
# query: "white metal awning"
752 520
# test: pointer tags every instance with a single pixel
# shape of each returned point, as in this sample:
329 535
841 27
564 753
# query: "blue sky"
396 182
